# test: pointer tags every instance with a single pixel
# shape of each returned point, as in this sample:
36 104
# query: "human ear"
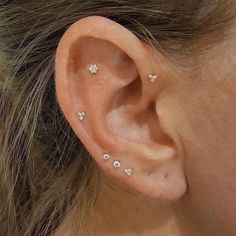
106 94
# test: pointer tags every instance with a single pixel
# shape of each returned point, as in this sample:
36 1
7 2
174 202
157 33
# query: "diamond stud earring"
152 78
81 115
93 68
106 156
116 164
128 171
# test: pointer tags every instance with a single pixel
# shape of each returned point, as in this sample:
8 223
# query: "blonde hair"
44 168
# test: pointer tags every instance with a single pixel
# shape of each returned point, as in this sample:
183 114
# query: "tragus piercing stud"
106 156
116 164
128 171
93 68
81 115
152 78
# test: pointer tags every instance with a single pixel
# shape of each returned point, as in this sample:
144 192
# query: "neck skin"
122 213
119 212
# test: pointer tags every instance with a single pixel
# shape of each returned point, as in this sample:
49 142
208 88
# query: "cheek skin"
210 167
208 133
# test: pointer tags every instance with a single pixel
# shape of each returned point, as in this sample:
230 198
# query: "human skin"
181 143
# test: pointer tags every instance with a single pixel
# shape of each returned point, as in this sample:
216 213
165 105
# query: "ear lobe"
103 72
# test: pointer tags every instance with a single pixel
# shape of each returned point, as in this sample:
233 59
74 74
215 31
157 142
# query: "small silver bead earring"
128 171
152 78
93 69
106 156
81 115
116 164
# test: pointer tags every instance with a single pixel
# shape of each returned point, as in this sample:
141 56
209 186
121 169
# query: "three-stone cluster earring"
81 115
152 78
128 171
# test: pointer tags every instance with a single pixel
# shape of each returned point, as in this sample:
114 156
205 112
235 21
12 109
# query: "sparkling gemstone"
152 78
128 171
116 164
81 115
93 69
106 156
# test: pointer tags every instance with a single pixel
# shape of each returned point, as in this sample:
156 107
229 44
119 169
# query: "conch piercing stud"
152 78
128 171
81 115
116 164
93 68
106 156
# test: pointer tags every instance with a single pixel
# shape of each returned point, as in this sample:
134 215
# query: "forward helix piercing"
152 78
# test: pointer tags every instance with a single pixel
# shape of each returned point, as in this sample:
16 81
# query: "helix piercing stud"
116 164
152 78
128 171
93 68
81 115
106 156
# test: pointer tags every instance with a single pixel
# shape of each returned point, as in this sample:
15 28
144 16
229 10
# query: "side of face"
206 124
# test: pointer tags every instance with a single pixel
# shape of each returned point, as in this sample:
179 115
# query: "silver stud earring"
106 156
152 78
128 171
116 164
93 68
81 115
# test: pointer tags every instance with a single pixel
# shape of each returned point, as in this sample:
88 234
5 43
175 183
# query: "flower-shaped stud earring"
93 69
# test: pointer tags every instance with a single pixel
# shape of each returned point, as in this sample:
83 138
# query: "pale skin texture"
178 134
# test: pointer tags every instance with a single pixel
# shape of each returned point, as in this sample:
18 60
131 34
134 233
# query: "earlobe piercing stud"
93 68
116 164
152 78
81 115
106 156
128 171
